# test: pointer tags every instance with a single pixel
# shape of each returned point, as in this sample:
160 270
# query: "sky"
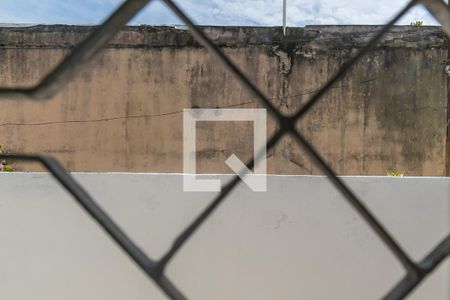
215 12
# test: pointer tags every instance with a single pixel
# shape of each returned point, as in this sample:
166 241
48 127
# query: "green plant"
395 173
8 168
5 166
417 23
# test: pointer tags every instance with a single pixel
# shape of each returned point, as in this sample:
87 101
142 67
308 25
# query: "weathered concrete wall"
273 245
123 112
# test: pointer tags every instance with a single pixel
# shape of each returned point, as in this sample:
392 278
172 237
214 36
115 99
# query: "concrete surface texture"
123 111
298 240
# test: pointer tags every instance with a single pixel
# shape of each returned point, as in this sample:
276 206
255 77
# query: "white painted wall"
299 240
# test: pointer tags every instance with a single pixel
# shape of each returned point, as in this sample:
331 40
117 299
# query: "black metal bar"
72 63
347 66
427 265
195 224
103 219
404 287
440 10
202 38
356 203
155 270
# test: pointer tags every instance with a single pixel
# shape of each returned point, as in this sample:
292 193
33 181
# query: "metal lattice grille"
50 84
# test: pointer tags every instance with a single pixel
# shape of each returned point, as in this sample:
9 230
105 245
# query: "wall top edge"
146 36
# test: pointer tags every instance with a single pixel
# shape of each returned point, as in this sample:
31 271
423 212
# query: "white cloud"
215 12
301 12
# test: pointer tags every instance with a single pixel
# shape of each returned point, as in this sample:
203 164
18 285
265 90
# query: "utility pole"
284 17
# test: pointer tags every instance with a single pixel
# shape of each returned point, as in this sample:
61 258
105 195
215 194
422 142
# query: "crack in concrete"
114 118
284 67
299 164
282 95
